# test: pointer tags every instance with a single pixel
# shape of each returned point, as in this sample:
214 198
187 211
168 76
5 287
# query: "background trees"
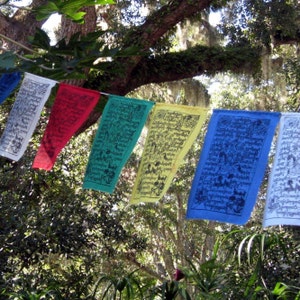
59 242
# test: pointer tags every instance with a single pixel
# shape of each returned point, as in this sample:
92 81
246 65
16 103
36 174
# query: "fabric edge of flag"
127 153
87 185
202 112
266 222
259 173
238 221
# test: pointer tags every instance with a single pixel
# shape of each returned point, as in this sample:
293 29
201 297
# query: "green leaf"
100 2
78 4
241 248
45 11
40 39
133 50
72 5
251 282
185 294
279 289
262 246
121 284
249 246
68 8
7 60
76 17
92 36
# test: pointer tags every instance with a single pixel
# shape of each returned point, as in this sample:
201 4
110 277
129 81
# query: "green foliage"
261 22
292 74
208 279
126 287
245 264
168 290
34 295
69 8
65 60
7 60
57 238
285 292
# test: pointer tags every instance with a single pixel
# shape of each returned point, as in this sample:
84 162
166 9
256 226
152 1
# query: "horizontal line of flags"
231 166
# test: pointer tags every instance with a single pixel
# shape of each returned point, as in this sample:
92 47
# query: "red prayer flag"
71 108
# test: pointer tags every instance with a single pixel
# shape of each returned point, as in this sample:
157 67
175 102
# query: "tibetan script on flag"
283 195
172 130
71 108
231 166
26 111
120 127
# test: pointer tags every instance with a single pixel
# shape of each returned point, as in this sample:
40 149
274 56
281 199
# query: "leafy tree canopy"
117 46
58 242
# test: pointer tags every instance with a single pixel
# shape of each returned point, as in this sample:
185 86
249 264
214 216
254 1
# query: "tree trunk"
68 27
20 26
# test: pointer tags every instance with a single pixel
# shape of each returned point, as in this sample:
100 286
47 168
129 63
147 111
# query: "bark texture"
21 25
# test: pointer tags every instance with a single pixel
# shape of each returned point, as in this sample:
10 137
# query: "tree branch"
142 267
164 19
199 60
17 43
149 33
195 61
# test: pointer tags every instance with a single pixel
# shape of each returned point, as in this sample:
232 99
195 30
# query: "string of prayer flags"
25 113
172 130
120 127
71 108
8 82
232 165
283 194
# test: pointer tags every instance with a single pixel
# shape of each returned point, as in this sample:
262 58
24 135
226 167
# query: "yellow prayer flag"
172 131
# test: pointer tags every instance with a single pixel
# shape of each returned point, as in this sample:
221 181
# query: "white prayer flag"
283 195
23 118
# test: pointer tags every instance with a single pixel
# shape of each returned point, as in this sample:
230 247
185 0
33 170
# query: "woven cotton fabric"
25 114
283 194
71 108
120 127
231 166
8 82
172 131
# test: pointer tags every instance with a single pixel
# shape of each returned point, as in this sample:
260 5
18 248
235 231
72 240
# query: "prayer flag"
283 194
8 82
232 165
120 127
26 111
172 130
71 108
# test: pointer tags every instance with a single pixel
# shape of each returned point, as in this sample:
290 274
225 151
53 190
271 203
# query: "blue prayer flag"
232 165
8 82
121 124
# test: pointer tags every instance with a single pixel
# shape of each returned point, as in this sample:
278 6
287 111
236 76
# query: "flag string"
229 172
